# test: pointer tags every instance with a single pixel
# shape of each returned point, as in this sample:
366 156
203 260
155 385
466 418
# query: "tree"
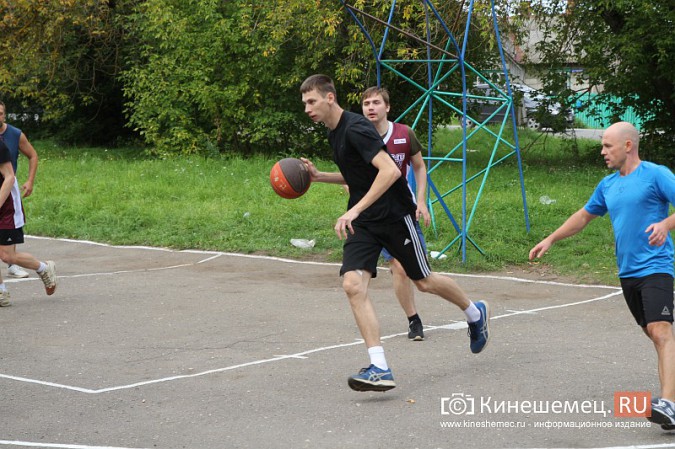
218 76
626 49
61 59
212 76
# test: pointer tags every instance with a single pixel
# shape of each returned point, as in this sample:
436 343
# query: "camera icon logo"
457 404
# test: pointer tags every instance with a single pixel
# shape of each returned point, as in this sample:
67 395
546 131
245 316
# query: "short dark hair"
321 83
372 91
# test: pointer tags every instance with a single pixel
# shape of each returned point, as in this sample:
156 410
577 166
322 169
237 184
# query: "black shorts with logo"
650 298
10 237
362 249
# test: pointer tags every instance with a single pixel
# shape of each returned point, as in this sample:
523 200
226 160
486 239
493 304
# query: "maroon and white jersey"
11 212
402 144
399 146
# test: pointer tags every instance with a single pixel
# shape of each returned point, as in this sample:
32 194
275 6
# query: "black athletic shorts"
650 298
11 236
362 249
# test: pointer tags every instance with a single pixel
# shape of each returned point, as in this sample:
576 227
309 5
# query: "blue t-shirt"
634 202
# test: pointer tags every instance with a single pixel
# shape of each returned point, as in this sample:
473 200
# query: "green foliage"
627 50
412 25
60 59
216 76
225 203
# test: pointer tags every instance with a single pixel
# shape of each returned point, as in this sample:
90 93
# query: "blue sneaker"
656 400
663 413
479 331
372 379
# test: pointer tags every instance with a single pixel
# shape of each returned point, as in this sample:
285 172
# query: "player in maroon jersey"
12 220
405 148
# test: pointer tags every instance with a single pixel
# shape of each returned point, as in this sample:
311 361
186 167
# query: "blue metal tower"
449 60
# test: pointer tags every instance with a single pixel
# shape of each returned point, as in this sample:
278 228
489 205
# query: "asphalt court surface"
145 348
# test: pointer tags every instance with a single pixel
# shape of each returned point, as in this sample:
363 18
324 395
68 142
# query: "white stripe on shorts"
417 244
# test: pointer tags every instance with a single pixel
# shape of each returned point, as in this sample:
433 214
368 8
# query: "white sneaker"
16 271
49 277
4 299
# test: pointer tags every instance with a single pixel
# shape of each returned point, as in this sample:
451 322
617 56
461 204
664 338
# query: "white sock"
472 313
41 268
3 288
376 354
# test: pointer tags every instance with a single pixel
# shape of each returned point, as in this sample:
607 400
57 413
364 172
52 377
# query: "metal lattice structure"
442 62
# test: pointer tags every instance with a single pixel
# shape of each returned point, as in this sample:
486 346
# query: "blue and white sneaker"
372 379
663 412
479 331
655 400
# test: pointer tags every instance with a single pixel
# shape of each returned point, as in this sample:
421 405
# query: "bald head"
624 131
620 147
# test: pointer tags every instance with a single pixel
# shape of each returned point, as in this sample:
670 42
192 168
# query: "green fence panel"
591 119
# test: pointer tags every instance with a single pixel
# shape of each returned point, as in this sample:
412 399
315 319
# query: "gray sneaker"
4 299
16 271
49 277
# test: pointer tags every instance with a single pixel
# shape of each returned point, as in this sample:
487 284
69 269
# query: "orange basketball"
290 178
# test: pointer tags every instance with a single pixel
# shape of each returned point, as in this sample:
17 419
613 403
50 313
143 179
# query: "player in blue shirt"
637 197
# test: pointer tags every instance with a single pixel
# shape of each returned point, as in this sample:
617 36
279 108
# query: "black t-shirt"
355 142
5 155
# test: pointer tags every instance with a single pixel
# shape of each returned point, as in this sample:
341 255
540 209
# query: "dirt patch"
545 272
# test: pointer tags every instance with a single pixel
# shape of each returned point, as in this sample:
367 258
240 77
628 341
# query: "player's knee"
424 285
353 284
660 332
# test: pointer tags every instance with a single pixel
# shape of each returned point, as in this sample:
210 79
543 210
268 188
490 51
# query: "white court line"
642 446
216 254
299 355
55 445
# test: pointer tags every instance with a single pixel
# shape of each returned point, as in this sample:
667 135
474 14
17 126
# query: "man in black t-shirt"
381 214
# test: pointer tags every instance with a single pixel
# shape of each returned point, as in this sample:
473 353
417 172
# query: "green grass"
226 204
